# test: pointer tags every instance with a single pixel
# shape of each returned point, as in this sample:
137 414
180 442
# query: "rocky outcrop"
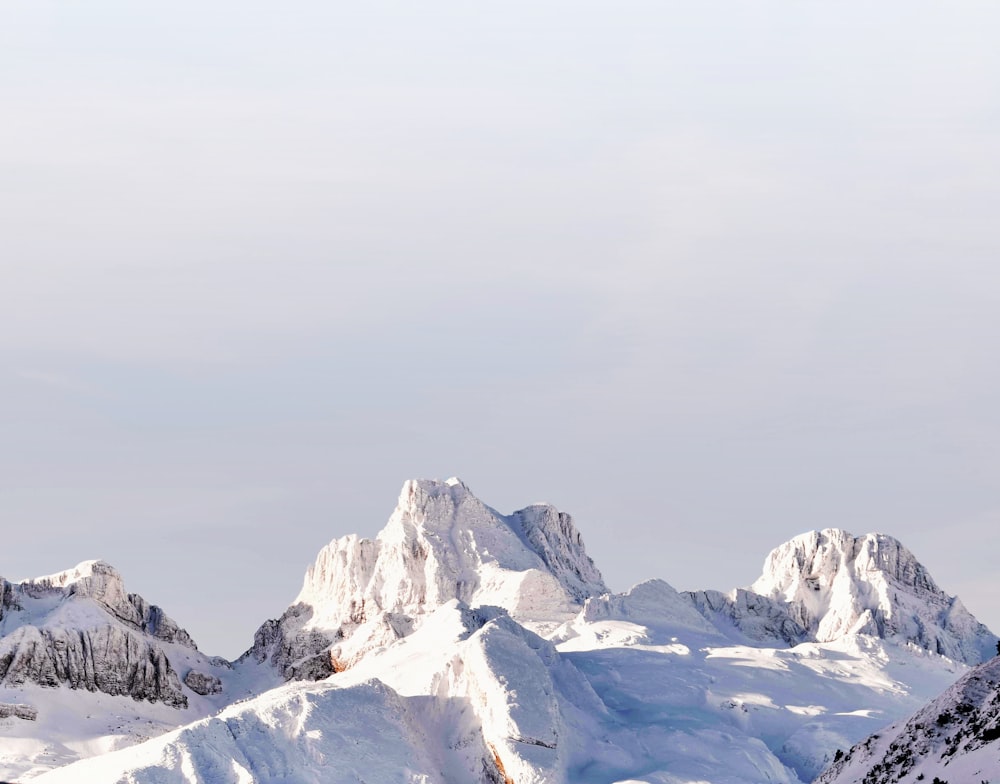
101 582
754 616
296 652
556 540
202 683
834 584
8 601
108 659
17 711
81 629
441 543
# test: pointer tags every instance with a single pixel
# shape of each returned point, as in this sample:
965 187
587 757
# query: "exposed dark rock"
17 711
80 628
202 684
108 659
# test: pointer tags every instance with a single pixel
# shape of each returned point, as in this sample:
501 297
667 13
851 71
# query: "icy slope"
94 667
836 584
658 665
472 693
293 734
441 543
471 696
641 689
955 738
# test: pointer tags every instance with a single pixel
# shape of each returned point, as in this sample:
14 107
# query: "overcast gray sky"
704 275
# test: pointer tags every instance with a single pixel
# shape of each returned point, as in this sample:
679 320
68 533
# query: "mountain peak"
453 486
83 570
836 584
80 628
440 543
95 579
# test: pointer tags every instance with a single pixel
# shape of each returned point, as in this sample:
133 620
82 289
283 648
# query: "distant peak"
835 584
433 488
843 539
820 555
82 571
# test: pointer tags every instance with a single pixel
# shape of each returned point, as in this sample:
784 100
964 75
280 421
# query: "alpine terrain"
955 738
464 645
86 667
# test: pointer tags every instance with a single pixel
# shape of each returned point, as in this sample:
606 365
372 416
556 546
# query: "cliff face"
108 659
80 628
759 618
440 544
834 584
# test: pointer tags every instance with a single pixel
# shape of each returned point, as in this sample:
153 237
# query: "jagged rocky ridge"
80 628
955 737
823 585
441 543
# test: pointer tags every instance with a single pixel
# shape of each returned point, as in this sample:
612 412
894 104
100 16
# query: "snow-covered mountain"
464 645
441 543
954 738
81 628
823 585
836 584
77 642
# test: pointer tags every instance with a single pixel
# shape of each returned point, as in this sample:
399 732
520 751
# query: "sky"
704 275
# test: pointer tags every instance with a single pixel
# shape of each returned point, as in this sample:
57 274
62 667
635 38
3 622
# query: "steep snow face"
956 738
293 734
836 584
441 543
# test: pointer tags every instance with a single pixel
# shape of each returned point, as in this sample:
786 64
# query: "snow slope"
471 696
955 738
472 693
655 661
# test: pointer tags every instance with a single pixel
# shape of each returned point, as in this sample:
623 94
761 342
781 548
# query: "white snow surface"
478 647
837 584
443 543
954 738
